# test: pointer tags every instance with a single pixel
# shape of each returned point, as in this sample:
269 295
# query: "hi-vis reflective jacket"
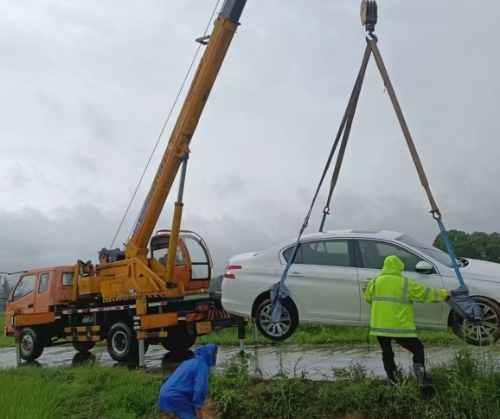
392 296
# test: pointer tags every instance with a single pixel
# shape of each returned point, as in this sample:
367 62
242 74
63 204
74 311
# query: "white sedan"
331 268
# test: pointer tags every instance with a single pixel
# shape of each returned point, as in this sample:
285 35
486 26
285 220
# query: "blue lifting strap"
460 300
279 291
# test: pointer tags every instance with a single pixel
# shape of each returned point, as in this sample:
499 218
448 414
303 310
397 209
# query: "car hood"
480 269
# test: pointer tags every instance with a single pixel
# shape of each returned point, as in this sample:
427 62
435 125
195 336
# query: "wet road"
317 362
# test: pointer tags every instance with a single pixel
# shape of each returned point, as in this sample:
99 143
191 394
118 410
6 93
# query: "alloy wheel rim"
484 332
275 329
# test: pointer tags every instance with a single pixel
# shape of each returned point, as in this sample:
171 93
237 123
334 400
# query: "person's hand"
363 289
199 414
448 293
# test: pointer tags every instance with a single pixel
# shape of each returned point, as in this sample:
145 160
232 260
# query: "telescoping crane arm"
178 146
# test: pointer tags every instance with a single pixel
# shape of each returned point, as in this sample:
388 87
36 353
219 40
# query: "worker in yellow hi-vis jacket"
392 296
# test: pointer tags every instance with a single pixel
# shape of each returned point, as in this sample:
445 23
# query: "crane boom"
178 146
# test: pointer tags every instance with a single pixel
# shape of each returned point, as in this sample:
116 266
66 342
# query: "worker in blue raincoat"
185 391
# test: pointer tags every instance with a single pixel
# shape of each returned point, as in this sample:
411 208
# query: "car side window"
326 253
373 254
25 286
298 256
44 283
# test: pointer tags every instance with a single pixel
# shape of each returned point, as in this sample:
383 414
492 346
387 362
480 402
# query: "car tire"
178 340
83 346
31 346
282 330
482 335
123 345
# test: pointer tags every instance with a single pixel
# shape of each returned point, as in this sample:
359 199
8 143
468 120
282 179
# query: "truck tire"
83 346
287 325
123 345
178 340
31 346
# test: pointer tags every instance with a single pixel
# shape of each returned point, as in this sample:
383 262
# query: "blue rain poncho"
186 389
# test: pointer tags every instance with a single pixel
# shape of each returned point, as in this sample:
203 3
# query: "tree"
477 245
5 289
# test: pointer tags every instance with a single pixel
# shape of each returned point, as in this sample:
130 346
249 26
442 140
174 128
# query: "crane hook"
369 18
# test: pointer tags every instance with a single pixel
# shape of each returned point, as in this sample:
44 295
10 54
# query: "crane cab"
193 262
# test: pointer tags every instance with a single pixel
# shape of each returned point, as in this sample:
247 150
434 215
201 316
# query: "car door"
370 258
324 280
43 294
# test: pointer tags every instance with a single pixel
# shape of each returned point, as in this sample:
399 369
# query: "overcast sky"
85 87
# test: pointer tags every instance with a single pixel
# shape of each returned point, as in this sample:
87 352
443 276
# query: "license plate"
203 328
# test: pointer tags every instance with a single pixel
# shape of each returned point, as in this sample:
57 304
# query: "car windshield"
430 251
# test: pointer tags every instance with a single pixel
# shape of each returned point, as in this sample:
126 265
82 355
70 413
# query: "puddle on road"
316 361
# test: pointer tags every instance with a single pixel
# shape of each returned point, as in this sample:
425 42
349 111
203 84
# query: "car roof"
352 233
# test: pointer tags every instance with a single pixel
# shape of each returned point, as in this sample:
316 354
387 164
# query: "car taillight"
229 274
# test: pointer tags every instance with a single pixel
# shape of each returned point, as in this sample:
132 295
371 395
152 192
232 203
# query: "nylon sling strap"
345 127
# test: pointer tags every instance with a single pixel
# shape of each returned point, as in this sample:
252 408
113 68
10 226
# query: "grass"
305 335
323 335
468 387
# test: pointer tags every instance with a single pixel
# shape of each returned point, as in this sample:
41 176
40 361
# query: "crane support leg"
142 363
255 338
18 353
241 334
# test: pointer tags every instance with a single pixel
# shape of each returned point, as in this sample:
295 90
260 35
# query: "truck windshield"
436 254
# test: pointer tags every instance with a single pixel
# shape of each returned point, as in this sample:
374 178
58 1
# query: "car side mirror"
424 267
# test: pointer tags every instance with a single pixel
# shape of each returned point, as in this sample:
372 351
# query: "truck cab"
40 291
193 262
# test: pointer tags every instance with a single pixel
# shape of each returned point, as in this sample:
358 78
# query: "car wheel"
284 328
484 334
178 340
83 346
31 347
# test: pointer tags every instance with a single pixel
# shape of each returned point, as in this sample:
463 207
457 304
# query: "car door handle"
30 305
296 274
365 281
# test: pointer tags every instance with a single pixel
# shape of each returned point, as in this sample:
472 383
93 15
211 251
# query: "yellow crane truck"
138 296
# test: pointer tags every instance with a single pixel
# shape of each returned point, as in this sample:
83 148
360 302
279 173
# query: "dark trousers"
414 345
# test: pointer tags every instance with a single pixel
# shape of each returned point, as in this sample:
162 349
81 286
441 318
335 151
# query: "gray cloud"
85 88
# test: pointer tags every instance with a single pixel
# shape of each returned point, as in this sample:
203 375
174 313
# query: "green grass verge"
305 335
322 335
468 387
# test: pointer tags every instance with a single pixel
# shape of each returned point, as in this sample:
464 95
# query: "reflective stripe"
392 300
398 331
426 294
436 295
403 300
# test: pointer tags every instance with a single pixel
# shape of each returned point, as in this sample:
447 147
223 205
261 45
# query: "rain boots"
424 384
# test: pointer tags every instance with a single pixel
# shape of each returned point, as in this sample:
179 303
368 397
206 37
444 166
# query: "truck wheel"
31 347
83 346
284 328
484 334
178 340
123 345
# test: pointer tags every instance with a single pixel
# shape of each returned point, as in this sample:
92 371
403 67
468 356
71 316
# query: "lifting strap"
466 307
